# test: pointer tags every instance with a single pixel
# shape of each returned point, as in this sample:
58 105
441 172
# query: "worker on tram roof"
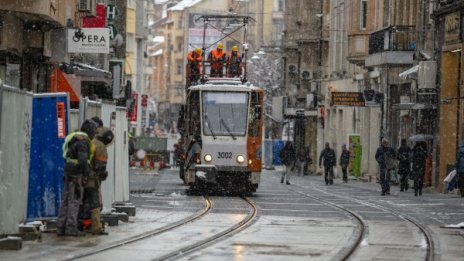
234 63
217 58
194 59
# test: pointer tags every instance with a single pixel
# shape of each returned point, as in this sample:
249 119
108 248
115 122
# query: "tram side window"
255 114
194 114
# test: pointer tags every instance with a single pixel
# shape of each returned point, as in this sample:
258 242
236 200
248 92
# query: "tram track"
363 231
185 250
196 216
244 223
359 234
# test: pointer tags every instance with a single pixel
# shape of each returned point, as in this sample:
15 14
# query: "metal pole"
205 24
1 108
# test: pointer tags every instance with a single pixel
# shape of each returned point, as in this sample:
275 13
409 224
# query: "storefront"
451 109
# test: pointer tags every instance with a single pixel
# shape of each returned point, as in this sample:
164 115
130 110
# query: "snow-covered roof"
184 4
160 2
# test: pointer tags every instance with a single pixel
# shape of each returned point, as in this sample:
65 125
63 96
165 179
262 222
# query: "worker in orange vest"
234 62
217 58
194 65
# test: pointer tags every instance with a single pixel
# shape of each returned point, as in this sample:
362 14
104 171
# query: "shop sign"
61 120
348 99
89 40
452 28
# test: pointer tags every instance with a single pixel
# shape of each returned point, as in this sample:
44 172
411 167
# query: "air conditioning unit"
87 6
306 75
292 69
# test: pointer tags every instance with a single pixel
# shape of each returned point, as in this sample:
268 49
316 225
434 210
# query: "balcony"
50 12
358 46
392 45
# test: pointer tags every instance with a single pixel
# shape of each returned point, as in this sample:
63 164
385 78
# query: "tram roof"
224 84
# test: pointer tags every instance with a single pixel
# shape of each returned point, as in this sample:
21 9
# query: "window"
225 114
363 14
179 69
281 5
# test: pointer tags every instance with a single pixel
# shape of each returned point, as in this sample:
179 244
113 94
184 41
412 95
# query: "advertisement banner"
133 108
89 40
347 99
196 29
354 141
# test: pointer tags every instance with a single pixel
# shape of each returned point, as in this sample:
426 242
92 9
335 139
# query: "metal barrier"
49 129
108 112
121 153
15 133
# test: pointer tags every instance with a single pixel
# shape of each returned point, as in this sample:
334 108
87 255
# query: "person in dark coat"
460 169
404 168
419 157
78 151
287 156
383 155
329 160
344 162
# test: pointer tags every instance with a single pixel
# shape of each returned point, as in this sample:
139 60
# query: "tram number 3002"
224 155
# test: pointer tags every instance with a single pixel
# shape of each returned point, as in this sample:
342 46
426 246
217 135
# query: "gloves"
103 175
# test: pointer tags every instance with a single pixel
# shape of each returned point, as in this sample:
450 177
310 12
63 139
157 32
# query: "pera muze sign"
89 40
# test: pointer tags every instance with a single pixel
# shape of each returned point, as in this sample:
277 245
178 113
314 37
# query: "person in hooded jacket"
329 160
383 156
460 169
419 157
288 157
78 152
98 173
404 167
344 162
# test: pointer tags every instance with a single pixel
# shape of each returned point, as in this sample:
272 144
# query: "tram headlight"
240 159
208 158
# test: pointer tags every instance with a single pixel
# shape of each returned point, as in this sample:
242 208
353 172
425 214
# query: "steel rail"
358 234
244 223
426 233
207 208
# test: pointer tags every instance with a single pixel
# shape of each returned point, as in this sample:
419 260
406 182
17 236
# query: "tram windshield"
225 113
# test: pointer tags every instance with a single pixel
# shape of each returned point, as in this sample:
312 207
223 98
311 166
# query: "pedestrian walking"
344 162
98 173
78 152
460 169
384 157
302 159
287 156
404 166
329 160
419 157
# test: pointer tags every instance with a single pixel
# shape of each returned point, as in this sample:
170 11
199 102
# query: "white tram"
222 124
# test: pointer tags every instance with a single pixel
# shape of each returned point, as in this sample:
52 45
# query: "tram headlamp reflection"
208 158
240 159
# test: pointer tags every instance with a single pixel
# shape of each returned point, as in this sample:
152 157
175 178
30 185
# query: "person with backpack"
78 152
384 157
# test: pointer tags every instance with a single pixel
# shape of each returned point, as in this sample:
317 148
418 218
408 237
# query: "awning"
410 73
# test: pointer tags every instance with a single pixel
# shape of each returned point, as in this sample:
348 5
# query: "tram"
222 130
221 124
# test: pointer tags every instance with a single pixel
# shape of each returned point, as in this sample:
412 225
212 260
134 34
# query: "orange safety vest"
193 57
217 58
